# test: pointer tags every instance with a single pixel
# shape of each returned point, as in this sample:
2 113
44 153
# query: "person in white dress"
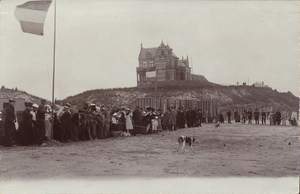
48 122
129 126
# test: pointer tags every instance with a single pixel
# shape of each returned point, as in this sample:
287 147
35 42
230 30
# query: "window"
162 52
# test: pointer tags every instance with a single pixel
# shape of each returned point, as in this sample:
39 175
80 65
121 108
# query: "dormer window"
148 55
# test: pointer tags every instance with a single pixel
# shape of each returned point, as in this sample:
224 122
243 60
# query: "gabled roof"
152 51
173 55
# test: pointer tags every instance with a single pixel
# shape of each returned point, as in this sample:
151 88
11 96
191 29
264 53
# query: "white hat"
35 105
98 109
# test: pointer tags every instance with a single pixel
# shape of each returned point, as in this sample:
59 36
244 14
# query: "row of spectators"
260 116
88 123
98 122
93 122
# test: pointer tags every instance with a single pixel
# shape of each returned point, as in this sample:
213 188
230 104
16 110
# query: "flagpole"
155 103
54 41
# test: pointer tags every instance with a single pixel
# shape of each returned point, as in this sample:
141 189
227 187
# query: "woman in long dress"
48 122
129 126
25 132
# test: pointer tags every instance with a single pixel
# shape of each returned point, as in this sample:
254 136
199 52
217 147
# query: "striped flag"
32 15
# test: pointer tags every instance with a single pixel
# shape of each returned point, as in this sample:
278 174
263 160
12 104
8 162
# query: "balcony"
140 69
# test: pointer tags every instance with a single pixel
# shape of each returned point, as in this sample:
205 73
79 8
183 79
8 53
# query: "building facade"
260 85
161 64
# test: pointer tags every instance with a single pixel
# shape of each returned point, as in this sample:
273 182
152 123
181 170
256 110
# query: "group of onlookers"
274 117
91 122
31 129
88 123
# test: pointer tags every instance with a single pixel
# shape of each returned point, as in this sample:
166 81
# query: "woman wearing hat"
114 122
121 121
25 132
9 125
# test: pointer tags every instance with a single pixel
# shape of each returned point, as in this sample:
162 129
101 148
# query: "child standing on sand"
154 124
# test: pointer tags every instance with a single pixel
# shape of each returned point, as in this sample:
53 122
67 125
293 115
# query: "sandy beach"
233 150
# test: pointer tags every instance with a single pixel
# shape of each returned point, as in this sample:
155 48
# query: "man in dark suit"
193 116
65 119
277 117
136 118
229 116
263 116
256 116
9 125
249 116
40 123
200 117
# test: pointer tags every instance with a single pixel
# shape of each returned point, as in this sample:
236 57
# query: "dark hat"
28 104
93 108
12 100
43 100
81 111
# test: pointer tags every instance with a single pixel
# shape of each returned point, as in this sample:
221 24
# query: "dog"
186 140
217 125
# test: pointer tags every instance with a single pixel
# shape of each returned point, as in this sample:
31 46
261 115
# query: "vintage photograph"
149 96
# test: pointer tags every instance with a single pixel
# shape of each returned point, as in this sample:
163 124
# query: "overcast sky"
98 43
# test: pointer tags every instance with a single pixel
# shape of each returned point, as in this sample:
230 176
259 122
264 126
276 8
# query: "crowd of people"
260 117
92 122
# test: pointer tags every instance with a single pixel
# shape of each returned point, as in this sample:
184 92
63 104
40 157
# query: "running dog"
183 140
